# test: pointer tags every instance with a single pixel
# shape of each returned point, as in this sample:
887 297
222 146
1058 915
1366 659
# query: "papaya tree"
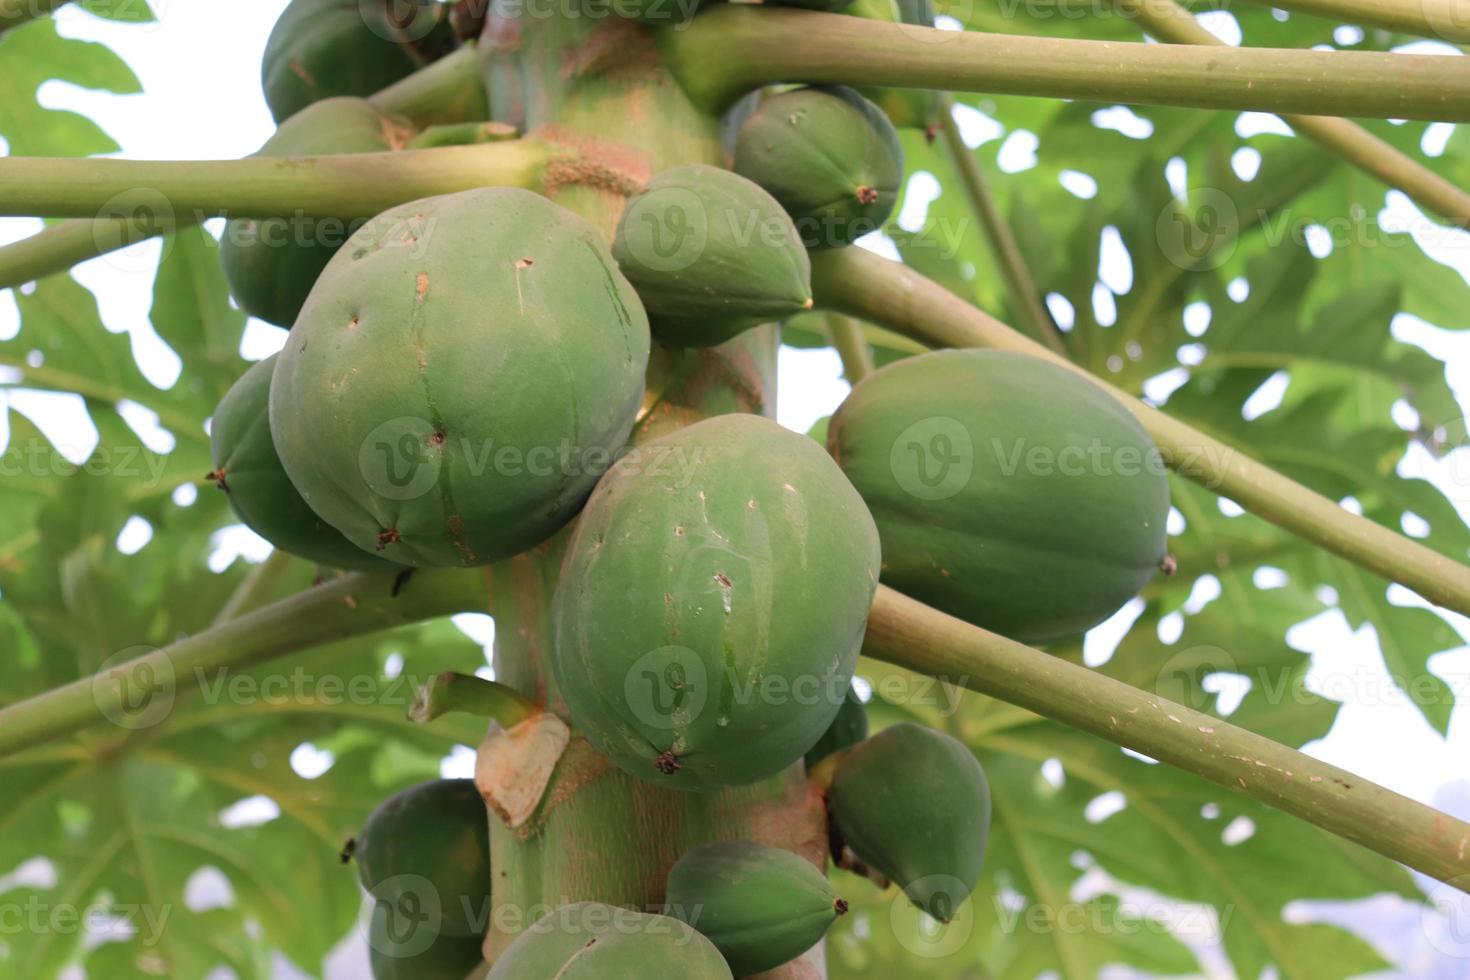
761 702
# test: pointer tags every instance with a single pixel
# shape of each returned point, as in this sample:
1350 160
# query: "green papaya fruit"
459 378
848 729
712 602
248 470
711 255
760 906
906 108
829 156
591 941
322 48
401 947
272 263
914 804
1009 491
429 847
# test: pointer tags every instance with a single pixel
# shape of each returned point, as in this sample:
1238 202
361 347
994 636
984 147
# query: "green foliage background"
127 818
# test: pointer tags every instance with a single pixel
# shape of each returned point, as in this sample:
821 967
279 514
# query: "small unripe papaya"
848 729
829 156
322 48
760 906
591 941
249 471
1009 491
460 376
712 602
428 848
906 108
402 947
914 804
272 263
711 255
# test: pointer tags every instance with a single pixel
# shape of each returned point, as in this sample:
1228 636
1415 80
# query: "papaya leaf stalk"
862 284
1167 21
345 186
852 347
734 49
447 92
129 692
907 633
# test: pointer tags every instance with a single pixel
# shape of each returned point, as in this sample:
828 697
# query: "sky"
202 101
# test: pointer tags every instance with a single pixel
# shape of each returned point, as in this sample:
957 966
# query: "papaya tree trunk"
599 834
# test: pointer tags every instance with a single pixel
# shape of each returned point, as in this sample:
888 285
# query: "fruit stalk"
352 605
342 186
473 695
1169 22
852 347
874 288
731 50
445 91
1024 294
912 635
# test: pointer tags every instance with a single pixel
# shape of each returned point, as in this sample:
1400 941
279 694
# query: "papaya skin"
591 941
249 471
711 255
431 835
459 378
831 157
1008 491
272 263
712 602
324 48
761 906
848 729
397 951
914 804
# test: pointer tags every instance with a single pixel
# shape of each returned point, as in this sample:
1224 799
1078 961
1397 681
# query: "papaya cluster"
461 382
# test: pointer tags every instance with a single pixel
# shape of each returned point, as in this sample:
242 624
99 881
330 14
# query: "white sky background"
200 71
